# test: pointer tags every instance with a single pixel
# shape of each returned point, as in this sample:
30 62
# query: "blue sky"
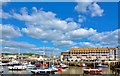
57 27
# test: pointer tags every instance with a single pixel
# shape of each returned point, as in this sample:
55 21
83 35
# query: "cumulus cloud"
44 25
3 2
81 18
9 43
44 20
46 49
4 14
23 47
9 31
96 10
110 37
81 33
64 43
89 44
89 6
45 42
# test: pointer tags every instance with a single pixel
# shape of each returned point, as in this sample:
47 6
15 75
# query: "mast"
43 57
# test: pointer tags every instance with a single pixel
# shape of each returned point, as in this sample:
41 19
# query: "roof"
64 53
91 49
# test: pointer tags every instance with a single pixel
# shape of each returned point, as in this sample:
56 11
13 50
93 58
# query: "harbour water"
70 70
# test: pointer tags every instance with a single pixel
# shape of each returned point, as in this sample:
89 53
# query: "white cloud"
46 49
69 19
96 10
45 42
81 33
8 43
63 43
9 31
81 18
4 14
3 2
89 44
23 47
45 25
8 48
39 33
89 6
110 37
44 20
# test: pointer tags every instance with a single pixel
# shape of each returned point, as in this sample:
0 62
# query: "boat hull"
17 68
43 71
93 71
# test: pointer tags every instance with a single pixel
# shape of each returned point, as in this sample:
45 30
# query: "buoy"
60 70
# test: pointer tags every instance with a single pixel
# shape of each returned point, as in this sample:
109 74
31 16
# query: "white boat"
44 71
30 66
14 63
2 64
20 67
92 71
102 66
63 66
81 65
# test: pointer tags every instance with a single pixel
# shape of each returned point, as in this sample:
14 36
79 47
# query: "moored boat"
20 67
63 66
92 71
102 66
43 71
30 66
81 65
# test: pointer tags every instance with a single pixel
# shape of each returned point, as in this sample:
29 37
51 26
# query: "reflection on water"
70 70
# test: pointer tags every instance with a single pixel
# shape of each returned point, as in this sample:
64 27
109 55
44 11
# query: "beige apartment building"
90 54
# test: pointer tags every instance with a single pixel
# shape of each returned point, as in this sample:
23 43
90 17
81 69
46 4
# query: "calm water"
70 70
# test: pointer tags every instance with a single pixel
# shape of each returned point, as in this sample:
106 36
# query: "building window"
76 60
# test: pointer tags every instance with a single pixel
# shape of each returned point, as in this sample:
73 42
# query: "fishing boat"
18 67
